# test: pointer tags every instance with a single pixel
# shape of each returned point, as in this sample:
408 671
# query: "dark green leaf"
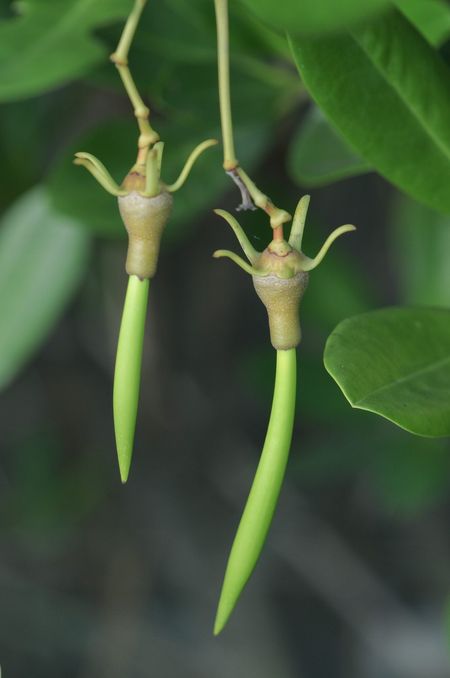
43 256
421 244
51 43
388 93
318 155
315 16
396 362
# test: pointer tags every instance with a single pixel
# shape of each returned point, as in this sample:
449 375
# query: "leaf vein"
412 375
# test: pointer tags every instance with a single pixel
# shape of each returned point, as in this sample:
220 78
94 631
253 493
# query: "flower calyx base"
280 273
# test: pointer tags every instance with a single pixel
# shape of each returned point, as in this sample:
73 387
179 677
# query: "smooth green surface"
52 42
396 362
262 500
315 16
388 92
43 258
430 17
127 374
420 242
318 155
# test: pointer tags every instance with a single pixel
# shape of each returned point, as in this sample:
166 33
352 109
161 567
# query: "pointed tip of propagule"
218 626
224 610
124 469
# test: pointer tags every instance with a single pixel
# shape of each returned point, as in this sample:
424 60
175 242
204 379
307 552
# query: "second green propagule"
145 203
280 276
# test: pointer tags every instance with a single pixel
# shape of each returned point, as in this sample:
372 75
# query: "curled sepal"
298 223
218 254
198 150
262 500
308 264
244 242
280 273
127 374
99 172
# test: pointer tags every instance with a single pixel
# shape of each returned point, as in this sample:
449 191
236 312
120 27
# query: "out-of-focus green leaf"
187 32
430 17
34 503
396 362
74 192
43 256
406 474
174 61
340 290
420 254
388 93
51 42
315 16
318 155
29 135
208 181
410 474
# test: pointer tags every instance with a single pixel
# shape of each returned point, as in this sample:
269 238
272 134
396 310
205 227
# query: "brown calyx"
281 291
144 219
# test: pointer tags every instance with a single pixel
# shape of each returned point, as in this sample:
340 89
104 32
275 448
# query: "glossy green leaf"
43 257
396 362
318 155
388 93
52 42
430 17
315 16
420 240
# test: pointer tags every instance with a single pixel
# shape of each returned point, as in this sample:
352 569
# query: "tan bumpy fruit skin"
144 219
281 297
281 291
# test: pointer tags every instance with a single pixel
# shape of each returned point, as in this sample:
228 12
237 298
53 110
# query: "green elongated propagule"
145 203
262 500
280 277
127 373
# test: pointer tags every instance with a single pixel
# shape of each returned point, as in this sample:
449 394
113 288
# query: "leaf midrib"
401 380
422 123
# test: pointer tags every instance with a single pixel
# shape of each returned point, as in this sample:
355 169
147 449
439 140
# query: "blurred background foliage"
97 579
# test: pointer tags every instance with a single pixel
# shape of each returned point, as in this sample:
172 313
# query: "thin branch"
148 136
